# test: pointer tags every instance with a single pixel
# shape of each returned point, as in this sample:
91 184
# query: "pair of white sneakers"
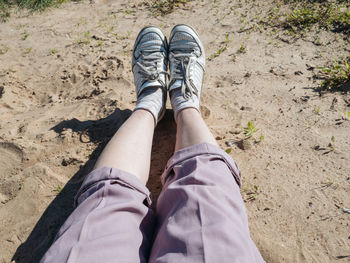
185 54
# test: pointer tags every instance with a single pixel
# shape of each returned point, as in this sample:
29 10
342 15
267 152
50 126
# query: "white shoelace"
149 67
182 71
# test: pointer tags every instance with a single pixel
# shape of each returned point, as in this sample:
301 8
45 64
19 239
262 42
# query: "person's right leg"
200 213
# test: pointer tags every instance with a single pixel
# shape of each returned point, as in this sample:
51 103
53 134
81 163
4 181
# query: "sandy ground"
66 86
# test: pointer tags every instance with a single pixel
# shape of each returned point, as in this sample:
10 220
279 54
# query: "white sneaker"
186 62
149 65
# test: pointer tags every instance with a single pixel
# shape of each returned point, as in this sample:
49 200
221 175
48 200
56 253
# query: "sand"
66 86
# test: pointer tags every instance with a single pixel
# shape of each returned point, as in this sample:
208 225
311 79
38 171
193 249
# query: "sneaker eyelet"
154 76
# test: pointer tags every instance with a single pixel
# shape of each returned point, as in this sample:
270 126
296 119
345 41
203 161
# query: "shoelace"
149 68
181 71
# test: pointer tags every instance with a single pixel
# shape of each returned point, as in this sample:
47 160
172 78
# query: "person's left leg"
113 220
200 213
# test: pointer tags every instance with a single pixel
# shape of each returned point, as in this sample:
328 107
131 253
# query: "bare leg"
191 129
130 148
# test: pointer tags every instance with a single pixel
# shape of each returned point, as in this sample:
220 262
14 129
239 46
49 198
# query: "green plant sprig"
336 77
250 129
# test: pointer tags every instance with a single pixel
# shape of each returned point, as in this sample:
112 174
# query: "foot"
187 62
149 65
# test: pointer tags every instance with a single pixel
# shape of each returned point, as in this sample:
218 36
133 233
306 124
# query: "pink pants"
200 215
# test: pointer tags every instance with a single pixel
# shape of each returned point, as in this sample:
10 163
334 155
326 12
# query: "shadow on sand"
98 132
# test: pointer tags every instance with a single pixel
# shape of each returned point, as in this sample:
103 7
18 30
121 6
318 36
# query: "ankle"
187 114
152 100
144 114
179 103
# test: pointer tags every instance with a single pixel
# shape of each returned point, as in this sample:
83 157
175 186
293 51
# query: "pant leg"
113 221
201 216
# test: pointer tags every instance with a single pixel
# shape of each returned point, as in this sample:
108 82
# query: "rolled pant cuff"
114 175
201 149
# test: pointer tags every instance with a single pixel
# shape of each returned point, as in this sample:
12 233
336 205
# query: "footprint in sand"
205 112
11 158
